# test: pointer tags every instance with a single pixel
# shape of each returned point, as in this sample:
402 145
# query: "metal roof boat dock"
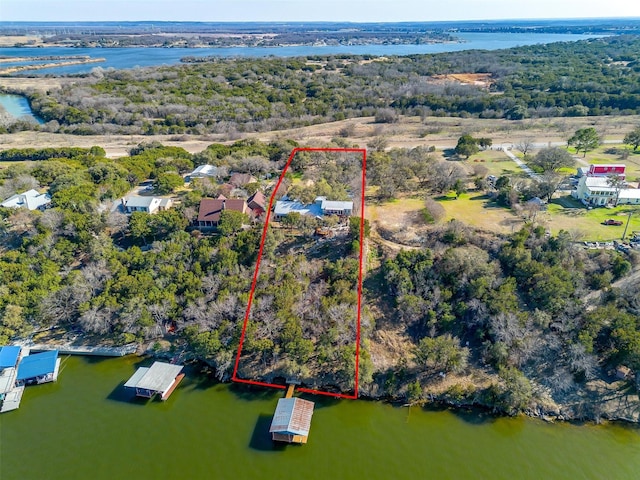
18 368
292 420
39 368
160 378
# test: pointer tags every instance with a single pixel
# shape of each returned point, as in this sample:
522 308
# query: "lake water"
17 106
85 427
144 57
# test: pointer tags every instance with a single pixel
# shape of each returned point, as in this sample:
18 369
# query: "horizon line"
331 21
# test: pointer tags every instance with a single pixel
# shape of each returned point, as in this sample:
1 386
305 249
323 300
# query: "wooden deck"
281 437
290 390
172 387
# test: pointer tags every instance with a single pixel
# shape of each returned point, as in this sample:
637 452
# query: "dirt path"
630 282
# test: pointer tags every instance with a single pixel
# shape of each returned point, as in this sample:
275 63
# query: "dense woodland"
590 77
512 306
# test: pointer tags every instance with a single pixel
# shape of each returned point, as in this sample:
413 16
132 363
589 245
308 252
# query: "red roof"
210 209
257 201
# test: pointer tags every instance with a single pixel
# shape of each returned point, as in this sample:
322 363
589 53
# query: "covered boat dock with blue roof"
39 368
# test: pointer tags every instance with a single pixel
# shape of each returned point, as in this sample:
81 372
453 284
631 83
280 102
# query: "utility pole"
624 234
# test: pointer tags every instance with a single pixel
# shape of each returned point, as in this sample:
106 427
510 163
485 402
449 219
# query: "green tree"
414 392
516 393
443 352
585 139
459 187
552 159
467 146
231 222
292 219
633 138
168 182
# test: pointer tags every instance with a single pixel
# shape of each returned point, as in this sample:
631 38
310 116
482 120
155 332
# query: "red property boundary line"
235 377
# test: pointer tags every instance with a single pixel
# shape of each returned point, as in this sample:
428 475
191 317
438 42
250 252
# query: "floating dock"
11 400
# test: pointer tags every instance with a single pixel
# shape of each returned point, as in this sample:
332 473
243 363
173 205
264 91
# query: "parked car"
611 221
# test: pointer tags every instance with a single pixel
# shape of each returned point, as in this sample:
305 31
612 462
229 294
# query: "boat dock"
177 380
18 368
292 418
12 399
87 350
160 378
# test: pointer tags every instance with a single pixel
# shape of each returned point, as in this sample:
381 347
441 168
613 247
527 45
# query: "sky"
310 10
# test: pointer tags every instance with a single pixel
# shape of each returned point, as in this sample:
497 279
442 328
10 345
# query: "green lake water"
85 427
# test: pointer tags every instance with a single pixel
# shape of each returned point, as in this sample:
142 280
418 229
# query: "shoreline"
433 401
42 66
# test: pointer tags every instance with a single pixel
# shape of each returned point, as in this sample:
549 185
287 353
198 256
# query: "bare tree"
618 184
525 145
444 176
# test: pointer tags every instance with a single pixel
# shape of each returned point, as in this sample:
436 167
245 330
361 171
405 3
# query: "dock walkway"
87 349
12 399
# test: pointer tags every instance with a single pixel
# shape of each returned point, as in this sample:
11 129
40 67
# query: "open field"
562 214
474 209
408 132
599 156
41 84
495 161
13 40
402 217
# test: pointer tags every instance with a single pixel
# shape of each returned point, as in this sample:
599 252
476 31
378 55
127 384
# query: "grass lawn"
394 213
599 156
474 209
495 161
567 214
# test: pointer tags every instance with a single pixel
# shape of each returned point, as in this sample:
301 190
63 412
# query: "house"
596 191
332 207
204 171
135 203
31 199
211 209
38 368
320 207
292 420
160 378
241 179
257 203
285 207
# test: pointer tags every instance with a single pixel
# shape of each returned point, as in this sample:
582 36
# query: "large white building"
594 188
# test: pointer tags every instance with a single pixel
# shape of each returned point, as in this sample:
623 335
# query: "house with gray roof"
320 207
204 171
31 200
136 203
